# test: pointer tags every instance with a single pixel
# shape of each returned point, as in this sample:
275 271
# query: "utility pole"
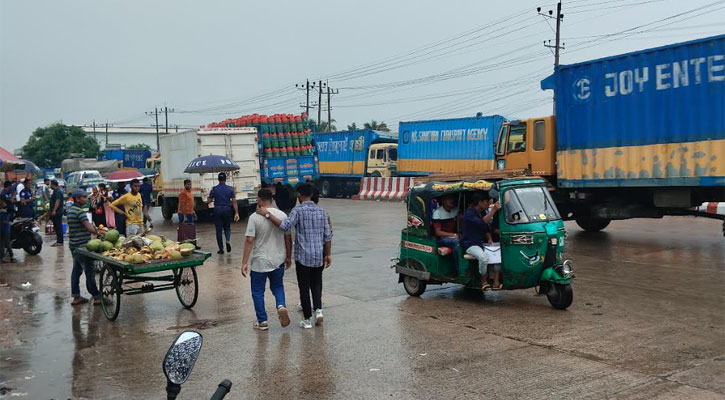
319 103
330 92
167 110
106 134
94 129
557 46
306 88
155 113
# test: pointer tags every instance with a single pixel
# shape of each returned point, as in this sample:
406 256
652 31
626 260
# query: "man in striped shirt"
79 233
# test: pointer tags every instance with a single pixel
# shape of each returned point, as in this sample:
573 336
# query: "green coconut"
137 258
156 246
93 245
153 238
106 245
112 236
169 243
175 255
189 246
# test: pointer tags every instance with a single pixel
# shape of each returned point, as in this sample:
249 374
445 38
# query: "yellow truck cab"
528 144
382 160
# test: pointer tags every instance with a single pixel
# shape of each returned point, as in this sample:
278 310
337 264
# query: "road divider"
383 188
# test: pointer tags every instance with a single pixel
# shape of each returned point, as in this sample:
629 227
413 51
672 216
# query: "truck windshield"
529 204
393 154
92 175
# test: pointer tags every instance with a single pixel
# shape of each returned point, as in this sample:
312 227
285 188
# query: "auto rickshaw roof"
434 189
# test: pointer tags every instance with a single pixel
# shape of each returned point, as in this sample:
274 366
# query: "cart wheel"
560 296
110 292
186 286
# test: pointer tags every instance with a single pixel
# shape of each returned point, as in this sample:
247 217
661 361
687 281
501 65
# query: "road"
647 322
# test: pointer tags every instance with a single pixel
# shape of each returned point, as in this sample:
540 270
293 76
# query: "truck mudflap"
422 275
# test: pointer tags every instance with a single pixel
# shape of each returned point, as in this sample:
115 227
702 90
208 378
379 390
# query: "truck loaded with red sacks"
273 151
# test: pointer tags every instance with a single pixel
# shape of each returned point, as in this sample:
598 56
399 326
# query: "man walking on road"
56 212
271 254
313 243
132 208
79 233
225 200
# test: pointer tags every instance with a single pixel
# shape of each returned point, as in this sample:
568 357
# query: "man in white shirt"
270 249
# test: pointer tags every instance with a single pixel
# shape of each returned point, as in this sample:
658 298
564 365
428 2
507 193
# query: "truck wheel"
167 210
413 285
325 188
592 224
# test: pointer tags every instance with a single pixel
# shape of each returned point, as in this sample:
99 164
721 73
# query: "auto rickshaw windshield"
529 204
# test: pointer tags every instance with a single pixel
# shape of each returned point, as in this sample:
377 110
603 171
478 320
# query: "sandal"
81 300
486 287
499 287
56 244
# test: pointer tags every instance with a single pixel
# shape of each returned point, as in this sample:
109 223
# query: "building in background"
120 137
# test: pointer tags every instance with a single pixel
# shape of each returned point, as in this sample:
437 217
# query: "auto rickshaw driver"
445 221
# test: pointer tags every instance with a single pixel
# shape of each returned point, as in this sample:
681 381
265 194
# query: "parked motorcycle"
24 235
180 360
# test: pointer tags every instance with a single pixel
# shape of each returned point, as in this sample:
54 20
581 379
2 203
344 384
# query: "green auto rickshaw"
531 240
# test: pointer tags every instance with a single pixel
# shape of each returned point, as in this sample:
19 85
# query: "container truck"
286 155
346 156
460 145
128 158
638 135
178 149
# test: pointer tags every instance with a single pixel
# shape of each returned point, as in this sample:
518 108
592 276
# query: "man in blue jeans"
79 233
445 226
271 253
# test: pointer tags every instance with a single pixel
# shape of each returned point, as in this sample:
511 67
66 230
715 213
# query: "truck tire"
592 224
325 188
167 208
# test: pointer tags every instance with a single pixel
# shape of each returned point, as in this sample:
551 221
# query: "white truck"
178 149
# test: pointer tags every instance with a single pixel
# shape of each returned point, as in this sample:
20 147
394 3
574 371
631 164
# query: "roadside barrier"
712 208
383 188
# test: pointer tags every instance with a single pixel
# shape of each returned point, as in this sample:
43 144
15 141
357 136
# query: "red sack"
186 232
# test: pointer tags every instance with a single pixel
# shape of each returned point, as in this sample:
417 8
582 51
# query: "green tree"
374 125
322 126
352 127
48 146
138 146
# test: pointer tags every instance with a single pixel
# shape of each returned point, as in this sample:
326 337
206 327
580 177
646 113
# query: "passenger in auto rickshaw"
445 226
477 232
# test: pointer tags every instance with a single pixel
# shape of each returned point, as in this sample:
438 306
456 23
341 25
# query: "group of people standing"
126 208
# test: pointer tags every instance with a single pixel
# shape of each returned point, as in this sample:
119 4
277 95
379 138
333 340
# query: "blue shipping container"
129 158
344 153
448 145
655 117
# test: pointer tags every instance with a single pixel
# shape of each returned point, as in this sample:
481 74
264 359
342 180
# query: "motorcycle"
180 360
24 235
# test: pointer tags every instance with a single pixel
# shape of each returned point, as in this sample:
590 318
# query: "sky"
388 60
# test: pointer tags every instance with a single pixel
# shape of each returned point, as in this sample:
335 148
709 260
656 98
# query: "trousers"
222 222
276 285
309 279
83 265
58 226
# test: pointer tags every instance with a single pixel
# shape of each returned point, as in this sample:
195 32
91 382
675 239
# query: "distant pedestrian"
79 233
56 212
119 219
271 253
145 191
98 214
187 215
7 208
25 197
313 244
225 200
132 209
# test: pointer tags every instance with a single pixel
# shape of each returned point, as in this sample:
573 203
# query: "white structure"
119 137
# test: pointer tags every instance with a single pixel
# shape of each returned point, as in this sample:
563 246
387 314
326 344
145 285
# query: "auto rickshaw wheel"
560 296
413 285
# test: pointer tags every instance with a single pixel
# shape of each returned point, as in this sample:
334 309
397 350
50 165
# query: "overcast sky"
76 61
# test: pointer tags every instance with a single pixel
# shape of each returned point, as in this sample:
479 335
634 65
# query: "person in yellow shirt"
132 208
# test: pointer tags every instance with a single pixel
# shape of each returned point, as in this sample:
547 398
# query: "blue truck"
128 158
346 156
637 135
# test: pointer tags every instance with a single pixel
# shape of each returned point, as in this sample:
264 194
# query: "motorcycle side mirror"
182 355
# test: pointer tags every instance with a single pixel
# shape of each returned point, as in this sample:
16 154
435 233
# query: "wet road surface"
647 322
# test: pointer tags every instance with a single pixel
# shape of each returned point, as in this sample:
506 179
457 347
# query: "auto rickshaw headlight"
565 269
